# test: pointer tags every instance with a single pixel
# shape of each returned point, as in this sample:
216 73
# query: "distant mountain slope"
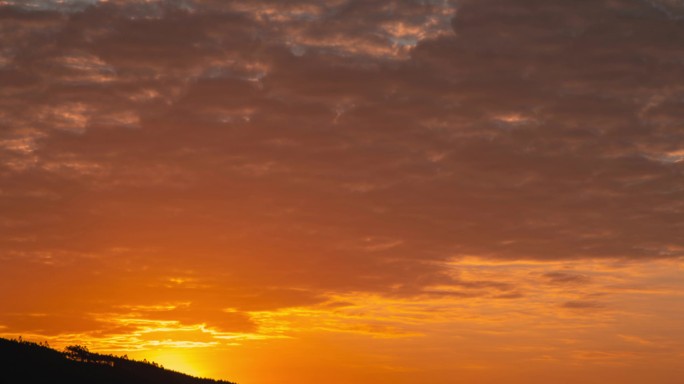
23 362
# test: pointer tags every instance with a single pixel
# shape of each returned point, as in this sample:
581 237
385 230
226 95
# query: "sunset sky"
348 191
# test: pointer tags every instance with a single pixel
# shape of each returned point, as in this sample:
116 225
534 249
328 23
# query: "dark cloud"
582 304
566 278
340 145
50 324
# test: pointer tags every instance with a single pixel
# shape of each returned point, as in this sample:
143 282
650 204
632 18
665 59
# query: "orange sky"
337 191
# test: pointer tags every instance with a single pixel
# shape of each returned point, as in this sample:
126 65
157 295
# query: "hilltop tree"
78 353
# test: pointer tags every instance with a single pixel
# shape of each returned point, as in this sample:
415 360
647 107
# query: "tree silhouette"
78 353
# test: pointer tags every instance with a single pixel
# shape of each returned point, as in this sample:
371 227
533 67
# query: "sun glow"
178 359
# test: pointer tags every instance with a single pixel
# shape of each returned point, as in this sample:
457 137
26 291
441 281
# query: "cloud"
672 8
566 278
49 324
582 304
538 154
190 314
287 153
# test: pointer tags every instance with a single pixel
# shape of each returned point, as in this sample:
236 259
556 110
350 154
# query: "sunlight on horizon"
182 360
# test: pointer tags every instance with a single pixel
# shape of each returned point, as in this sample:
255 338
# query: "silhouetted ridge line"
28 362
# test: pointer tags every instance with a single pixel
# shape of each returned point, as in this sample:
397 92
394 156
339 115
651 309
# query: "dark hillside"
28 362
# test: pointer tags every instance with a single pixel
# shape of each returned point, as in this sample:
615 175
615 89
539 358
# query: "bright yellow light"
177 359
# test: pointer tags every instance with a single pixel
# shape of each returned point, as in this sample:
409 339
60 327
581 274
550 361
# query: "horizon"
367 191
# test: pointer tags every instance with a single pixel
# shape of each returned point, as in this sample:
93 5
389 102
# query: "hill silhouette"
28 362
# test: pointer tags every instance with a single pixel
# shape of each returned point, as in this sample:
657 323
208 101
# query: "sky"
336 191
